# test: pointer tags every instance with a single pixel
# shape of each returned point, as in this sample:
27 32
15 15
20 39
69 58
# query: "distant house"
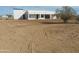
10 16
33 15
7 17
4 17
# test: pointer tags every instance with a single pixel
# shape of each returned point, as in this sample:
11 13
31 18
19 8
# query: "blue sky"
9 9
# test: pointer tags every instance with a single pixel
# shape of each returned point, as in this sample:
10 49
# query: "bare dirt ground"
31 36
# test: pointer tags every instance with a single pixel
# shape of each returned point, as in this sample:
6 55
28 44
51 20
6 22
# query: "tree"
77 18
66 12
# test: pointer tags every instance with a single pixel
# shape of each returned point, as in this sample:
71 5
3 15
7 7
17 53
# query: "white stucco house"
33 14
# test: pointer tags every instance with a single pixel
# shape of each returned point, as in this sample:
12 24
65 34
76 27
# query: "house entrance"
24 17
37 16
47 16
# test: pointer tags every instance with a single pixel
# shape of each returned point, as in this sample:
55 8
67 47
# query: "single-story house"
33 14
4 17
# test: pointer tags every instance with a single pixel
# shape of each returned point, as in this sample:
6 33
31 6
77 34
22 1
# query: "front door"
37 16
24 17
47 16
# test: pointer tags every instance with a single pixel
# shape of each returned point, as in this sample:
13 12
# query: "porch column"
39 16
28 16
50 16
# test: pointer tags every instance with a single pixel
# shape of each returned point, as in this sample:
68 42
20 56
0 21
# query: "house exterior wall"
40 13
32 15
18 13
35 17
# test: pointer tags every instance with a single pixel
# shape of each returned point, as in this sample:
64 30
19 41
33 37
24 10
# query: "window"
32 16
42 15
47 16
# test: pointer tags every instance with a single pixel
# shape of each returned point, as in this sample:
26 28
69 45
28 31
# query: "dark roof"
17 9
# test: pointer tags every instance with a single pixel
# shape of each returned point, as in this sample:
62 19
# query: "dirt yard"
31 36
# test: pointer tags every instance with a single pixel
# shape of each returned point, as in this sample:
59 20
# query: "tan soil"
31 36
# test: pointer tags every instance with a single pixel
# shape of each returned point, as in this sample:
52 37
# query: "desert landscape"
35 37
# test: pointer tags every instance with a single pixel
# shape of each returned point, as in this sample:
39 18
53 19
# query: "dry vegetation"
34 36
